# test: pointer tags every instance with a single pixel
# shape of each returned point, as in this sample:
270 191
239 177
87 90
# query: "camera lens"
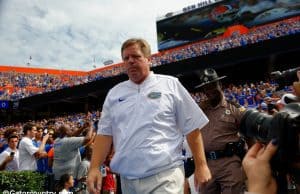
256 125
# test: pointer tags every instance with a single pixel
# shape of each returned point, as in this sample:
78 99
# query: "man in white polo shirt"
145 118
28 153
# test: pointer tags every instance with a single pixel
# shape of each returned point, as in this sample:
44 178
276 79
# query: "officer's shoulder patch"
242 109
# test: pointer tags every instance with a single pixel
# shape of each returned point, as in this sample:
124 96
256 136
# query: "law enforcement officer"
221 140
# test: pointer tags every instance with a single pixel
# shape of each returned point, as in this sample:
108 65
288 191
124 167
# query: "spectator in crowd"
145 119
28 152
66 149
37 140
241 98
66 182
42 163
222 143
109 184
250 99
9 158
3 142
11 131
50 153
84 168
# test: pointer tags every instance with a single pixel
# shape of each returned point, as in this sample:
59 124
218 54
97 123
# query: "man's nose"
131 59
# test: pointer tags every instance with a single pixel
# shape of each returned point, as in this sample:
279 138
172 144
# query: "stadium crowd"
14 85
52 131
61 147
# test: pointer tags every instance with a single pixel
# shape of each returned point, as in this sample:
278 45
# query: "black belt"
231 148
214 155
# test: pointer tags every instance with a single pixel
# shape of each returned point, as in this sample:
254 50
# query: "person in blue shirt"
250 99
42 163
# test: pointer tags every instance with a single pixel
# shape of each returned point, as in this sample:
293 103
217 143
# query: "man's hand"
45 138
6 161
258 170
94 181
9 159
201 176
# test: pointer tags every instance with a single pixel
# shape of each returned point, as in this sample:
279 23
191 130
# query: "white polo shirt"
26 154
147 122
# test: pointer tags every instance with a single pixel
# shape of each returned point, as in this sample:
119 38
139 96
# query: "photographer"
257 161
66 149
9 158
258 170
28 152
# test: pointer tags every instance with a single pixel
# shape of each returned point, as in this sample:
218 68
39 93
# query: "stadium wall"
41 71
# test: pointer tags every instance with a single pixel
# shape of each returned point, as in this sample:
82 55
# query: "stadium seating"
15 85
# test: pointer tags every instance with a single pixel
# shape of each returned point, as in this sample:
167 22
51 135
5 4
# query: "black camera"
285 78
283 126
81 186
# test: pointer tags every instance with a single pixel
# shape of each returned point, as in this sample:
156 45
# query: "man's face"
68 131
213 93
13 142
136 64
33 132
39 134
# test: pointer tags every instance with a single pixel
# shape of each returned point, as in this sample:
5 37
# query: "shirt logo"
121 99
154 95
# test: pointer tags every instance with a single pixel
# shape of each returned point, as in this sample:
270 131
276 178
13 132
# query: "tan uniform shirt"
222 127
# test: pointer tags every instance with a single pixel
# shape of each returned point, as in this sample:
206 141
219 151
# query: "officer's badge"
154 95
227 112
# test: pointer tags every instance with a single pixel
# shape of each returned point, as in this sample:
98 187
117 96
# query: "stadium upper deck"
17 82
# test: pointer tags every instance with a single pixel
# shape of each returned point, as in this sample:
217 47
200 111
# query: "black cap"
208 76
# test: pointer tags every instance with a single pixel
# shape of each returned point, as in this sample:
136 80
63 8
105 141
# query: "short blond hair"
143 44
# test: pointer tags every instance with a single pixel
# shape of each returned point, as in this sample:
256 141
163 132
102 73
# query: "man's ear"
149 60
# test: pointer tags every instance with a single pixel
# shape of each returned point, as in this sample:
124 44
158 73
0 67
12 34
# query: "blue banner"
4 104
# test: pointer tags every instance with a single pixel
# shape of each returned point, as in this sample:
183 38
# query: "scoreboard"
201 22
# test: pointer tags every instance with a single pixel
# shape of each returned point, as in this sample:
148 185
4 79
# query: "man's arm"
80 130
89 135
40 153
5 162
101 148
202 173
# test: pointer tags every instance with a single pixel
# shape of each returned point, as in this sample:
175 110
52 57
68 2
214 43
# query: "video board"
213 20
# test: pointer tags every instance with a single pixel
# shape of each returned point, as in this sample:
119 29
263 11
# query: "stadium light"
108 62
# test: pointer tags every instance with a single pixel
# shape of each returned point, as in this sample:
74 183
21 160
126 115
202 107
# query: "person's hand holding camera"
258 170
88 124
296 85
10 157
